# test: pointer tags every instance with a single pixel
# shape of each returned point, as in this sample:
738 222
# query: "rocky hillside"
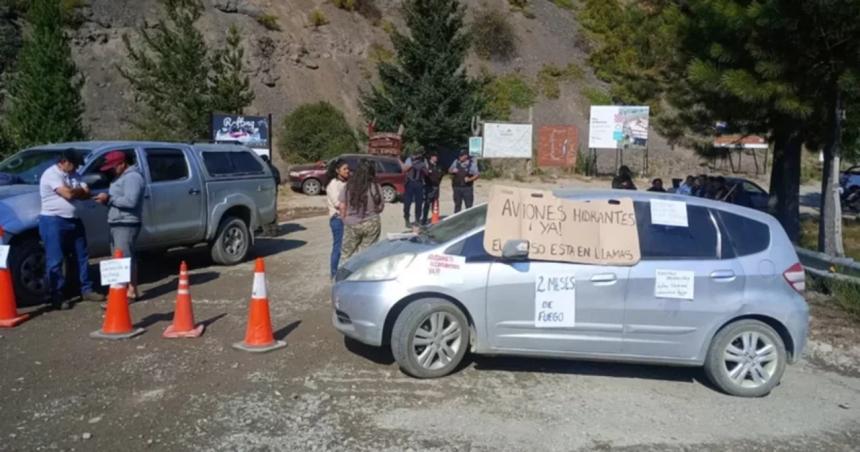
292 62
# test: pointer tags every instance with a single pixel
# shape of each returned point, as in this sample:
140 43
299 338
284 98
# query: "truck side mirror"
516 250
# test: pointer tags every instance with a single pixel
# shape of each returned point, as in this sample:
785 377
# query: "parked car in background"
311 179
201 193
747 194
849 184
746 320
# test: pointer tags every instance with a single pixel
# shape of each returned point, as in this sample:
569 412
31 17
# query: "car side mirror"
95 180
515 250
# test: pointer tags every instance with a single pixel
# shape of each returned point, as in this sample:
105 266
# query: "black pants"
431 195
414 194
463 195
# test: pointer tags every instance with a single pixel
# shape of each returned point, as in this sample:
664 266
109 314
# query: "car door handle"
259 188
603 279
723 275
193 191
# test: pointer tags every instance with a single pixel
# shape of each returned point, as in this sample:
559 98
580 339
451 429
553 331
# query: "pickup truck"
216 194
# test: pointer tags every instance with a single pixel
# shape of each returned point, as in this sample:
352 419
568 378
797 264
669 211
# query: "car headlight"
294 174
383 269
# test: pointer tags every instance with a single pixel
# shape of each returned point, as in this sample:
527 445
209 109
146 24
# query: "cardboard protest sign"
597 232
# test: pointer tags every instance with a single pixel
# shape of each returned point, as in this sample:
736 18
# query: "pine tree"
169 73
44 103
231 88
426 88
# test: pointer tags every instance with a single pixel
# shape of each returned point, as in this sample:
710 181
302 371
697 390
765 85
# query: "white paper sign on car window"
555 300
4 255
675 284
115 271
669 213
445 268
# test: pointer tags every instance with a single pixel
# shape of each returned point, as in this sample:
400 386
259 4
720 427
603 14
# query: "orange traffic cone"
8 309
259 337
435 218
183 315
117 323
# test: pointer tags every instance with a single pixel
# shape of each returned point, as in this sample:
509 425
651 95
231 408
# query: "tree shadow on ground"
265 247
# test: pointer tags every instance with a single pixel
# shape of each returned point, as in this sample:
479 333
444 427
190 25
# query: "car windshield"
27 167
457 225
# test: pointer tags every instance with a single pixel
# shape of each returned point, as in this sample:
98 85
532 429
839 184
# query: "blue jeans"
336 225
62 236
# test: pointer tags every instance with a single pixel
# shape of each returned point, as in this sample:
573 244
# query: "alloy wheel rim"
33 273
234 241
750 360
312 187
388 194
437 340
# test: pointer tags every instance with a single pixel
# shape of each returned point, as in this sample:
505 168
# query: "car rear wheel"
232 242
430 338
311 187
746 359
389 194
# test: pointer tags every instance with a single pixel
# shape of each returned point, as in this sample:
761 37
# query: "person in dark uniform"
416 171
432 180
464 171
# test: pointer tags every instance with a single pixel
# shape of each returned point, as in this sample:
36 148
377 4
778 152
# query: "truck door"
93 214
174 203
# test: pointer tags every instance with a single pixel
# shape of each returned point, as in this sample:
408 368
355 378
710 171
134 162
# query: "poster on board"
557 146
611 126
596 232
507 140
476 146
251 131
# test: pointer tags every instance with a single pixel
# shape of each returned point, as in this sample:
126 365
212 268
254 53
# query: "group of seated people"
702 186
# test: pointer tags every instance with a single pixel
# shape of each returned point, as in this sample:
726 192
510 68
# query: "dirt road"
61 390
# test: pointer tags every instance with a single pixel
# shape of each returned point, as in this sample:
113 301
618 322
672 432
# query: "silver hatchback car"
746 320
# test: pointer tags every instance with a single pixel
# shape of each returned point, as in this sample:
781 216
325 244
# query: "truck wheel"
746 359
389 194
27 264
232 242
311 187
429 338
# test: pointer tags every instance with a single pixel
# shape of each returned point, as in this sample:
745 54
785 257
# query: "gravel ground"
61 390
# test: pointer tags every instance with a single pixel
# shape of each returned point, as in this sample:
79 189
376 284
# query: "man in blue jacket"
125 208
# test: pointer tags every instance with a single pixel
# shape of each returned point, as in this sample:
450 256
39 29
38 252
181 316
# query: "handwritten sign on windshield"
596 232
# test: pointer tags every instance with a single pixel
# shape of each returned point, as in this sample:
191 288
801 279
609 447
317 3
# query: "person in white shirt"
61 230
338 173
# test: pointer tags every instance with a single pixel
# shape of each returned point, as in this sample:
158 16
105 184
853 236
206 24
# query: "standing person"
687 187
124 200
624 179
61 230
657 186
338 174
361 203
416 171
432 180
465 172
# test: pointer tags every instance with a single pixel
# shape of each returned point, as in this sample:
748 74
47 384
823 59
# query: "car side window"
380 168
231 163
245 163
104 178
742 236
217 163
391 167
660 242
751 188
472 248
166 165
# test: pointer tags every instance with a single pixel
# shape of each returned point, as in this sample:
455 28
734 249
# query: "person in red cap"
125 208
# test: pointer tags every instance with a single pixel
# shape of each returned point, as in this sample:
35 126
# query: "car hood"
19 207
386 248
306 167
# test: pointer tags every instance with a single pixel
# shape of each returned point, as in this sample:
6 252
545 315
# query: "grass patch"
596 96
850 236
505 93
269 22
565 4
379 54
347 5
847 296
493 35
388 26
550 77
317 18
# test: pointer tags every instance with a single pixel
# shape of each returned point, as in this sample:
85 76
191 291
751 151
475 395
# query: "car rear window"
742 236
231 163
659 242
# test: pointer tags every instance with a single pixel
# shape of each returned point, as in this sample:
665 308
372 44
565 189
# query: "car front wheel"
389 194
746 359
232 242
311 187
430 338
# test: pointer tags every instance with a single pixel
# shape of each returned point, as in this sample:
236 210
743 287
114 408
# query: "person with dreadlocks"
361 203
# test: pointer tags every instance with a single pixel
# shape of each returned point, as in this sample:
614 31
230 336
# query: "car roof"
369 156
101 145
576 194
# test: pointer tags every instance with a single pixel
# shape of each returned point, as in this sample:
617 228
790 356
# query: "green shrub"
316 132
506 92
379 54
388 26
269 21
348 5
493 36
548 79
519 4
584 164
565 4
596 96
317 18
71 12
